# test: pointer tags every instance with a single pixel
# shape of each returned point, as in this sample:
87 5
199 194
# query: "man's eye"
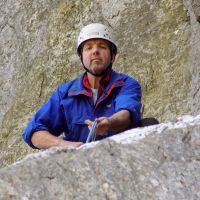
87 48
103 46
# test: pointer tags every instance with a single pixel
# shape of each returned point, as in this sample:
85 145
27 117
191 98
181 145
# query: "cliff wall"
158 44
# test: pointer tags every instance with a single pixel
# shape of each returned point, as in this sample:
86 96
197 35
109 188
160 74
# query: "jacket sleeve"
129 98
49 117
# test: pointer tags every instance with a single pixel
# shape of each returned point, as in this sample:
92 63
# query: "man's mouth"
96 59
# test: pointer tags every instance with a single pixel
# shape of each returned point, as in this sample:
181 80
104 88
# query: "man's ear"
113 58
81 57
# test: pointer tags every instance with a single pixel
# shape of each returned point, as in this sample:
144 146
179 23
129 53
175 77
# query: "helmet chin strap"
108 68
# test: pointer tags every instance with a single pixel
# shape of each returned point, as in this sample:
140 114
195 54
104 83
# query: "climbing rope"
92 135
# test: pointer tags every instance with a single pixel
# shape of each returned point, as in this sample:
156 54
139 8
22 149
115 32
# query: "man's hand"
45 140
64 143
118 122
103 125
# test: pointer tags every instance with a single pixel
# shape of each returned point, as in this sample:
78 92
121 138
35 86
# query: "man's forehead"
96 41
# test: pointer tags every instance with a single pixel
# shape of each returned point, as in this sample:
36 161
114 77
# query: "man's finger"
88 122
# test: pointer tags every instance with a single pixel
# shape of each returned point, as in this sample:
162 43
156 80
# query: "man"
112 98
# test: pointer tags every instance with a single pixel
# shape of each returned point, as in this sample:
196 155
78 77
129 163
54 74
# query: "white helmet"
95 30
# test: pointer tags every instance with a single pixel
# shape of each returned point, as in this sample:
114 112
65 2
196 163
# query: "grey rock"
158 162
194 13
158 44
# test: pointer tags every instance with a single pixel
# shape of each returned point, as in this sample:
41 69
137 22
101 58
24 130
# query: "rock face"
158 44
194 10
157 162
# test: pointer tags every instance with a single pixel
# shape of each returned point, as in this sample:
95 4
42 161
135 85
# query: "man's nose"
95 49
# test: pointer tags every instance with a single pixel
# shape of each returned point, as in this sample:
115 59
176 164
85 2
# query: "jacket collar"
81 84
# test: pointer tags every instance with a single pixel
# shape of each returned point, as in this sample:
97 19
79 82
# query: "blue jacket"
71 104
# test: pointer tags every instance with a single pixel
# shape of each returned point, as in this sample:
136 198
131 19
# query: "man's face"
96 55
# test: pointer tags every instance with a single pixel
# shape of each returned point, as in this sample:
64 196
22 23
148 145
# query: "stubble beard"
97 68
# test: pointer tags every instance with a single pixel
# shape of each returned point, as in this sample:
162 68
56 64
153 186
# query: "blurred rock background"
158 41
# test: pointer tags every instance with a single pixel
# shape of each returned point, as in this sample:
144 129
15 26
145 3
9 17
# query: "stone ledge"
157 162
